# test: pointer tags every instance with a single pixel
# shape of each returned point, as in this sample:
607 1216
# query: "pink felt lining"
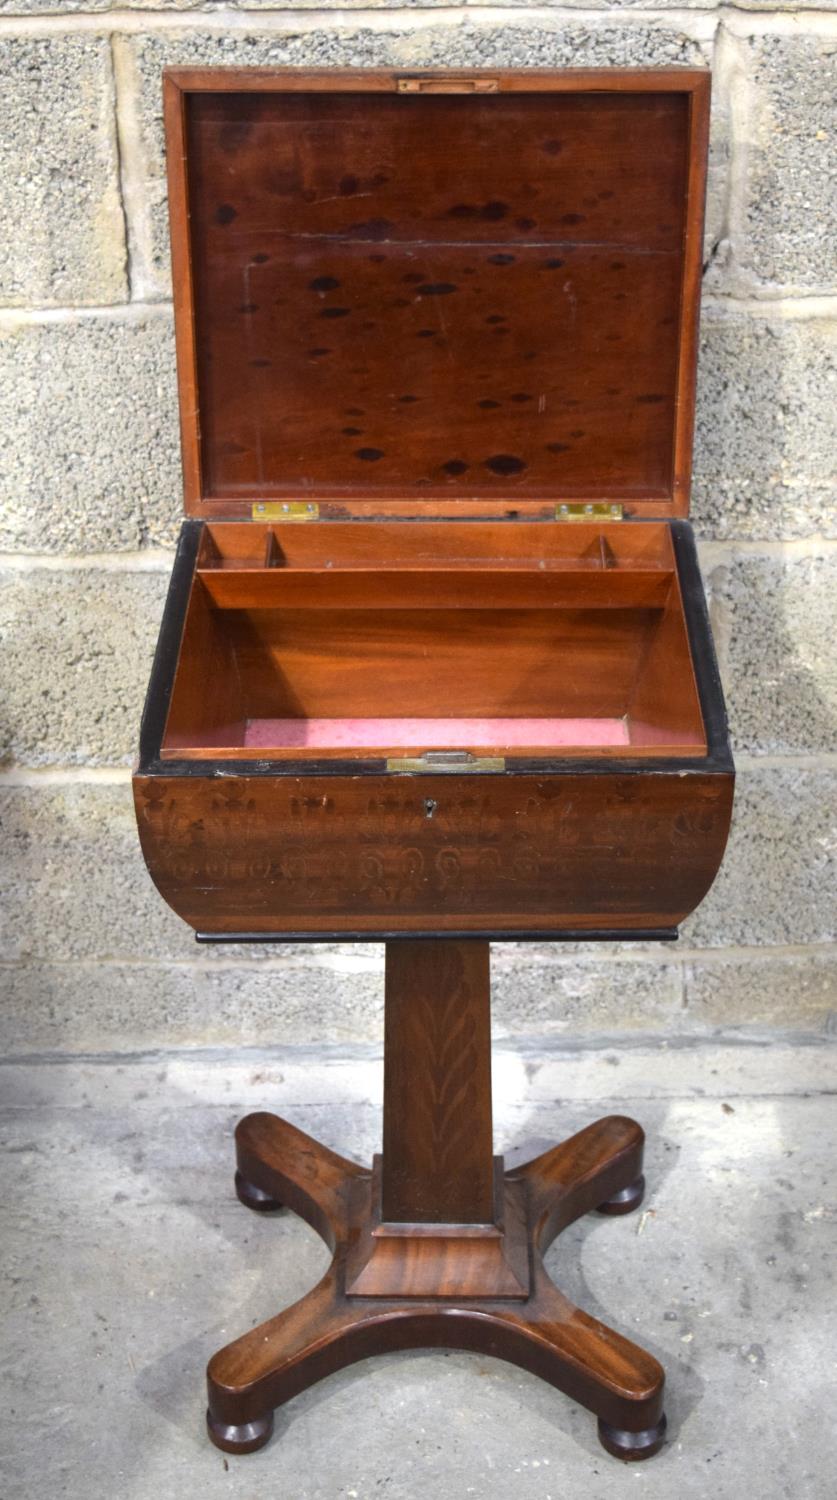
432 734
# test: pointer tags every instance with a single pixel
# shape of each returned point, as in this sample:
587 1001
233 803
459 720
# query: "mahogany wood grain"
396 1284
435 544
359 259
459 588
437 1162
420 1259
454 663
207 704
255 80
665 690
480 853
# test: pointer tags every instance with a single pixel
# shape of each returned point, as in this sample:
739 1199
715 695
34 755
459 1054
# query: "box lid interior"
438 294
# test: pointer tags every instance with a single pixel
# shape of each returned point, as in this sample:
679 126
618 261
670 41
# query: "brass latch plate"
594 510
447 761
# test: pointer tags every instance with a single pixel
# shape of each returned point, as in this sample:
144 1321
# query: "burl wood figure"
435 665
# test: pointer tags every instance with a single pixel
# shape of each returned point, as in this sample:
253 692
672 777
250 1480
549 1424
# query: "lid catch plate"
285 510
598 510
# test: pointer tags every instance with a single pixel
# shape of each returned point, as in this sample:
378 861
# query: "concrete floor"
127 1261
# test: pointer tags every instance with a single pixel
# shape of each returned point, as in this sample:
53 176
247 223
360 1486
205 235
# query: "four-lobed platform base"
437 1245
401 1285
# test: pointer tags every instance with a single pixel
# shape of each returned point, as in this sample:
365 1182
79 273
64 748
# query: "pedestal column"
437 1158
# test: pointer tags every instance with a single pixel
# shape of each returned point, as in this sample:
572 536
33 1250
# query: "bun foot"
253 1197
626 1201
632 1446
244 1438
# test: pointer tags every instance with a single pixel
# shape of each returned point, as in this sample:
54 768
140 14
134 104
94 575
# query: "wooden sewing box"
435 666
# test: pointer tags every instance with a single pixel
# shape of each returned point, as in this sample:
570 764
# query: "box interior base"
383 638
431 734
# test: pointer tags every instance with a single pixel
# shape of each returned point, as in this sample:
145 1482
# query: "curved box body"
242 842
511 855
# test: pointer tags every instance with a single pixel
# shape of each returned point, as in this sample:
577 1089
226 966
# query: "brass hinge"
447 761
285 510
596 510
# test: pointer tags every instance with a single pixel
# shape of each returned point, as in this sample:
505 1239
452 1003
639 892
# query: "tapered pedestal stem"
436 1245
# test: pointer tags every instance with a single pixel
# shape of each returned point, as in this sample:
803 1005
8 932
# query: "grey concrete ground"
127 1260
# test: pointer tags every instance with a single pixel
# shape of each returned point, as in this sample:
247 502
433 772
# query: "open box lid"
436 293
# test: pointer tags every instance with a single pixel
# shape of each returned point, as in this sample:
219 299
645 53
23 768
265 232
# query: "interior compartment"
399 639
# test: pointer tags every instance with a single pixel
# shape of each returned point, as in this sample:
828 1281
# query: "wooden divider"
498 586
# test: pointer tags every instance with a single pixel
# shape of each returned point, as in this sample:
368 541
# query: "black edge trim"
218 770
599 935
535 768
155 712
702 646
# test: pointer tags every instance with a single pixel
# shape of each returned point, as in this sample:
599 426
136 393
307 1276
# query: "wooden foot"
625 1201
430 1258
253 1197
632 1446
245 1437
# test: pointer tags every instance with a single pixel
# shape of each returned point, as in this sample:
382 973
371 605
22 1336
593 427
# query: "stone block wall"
90 502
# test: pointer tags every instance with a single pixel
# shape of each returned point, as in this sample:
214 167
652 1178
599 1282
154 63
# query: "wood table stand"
437 1245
